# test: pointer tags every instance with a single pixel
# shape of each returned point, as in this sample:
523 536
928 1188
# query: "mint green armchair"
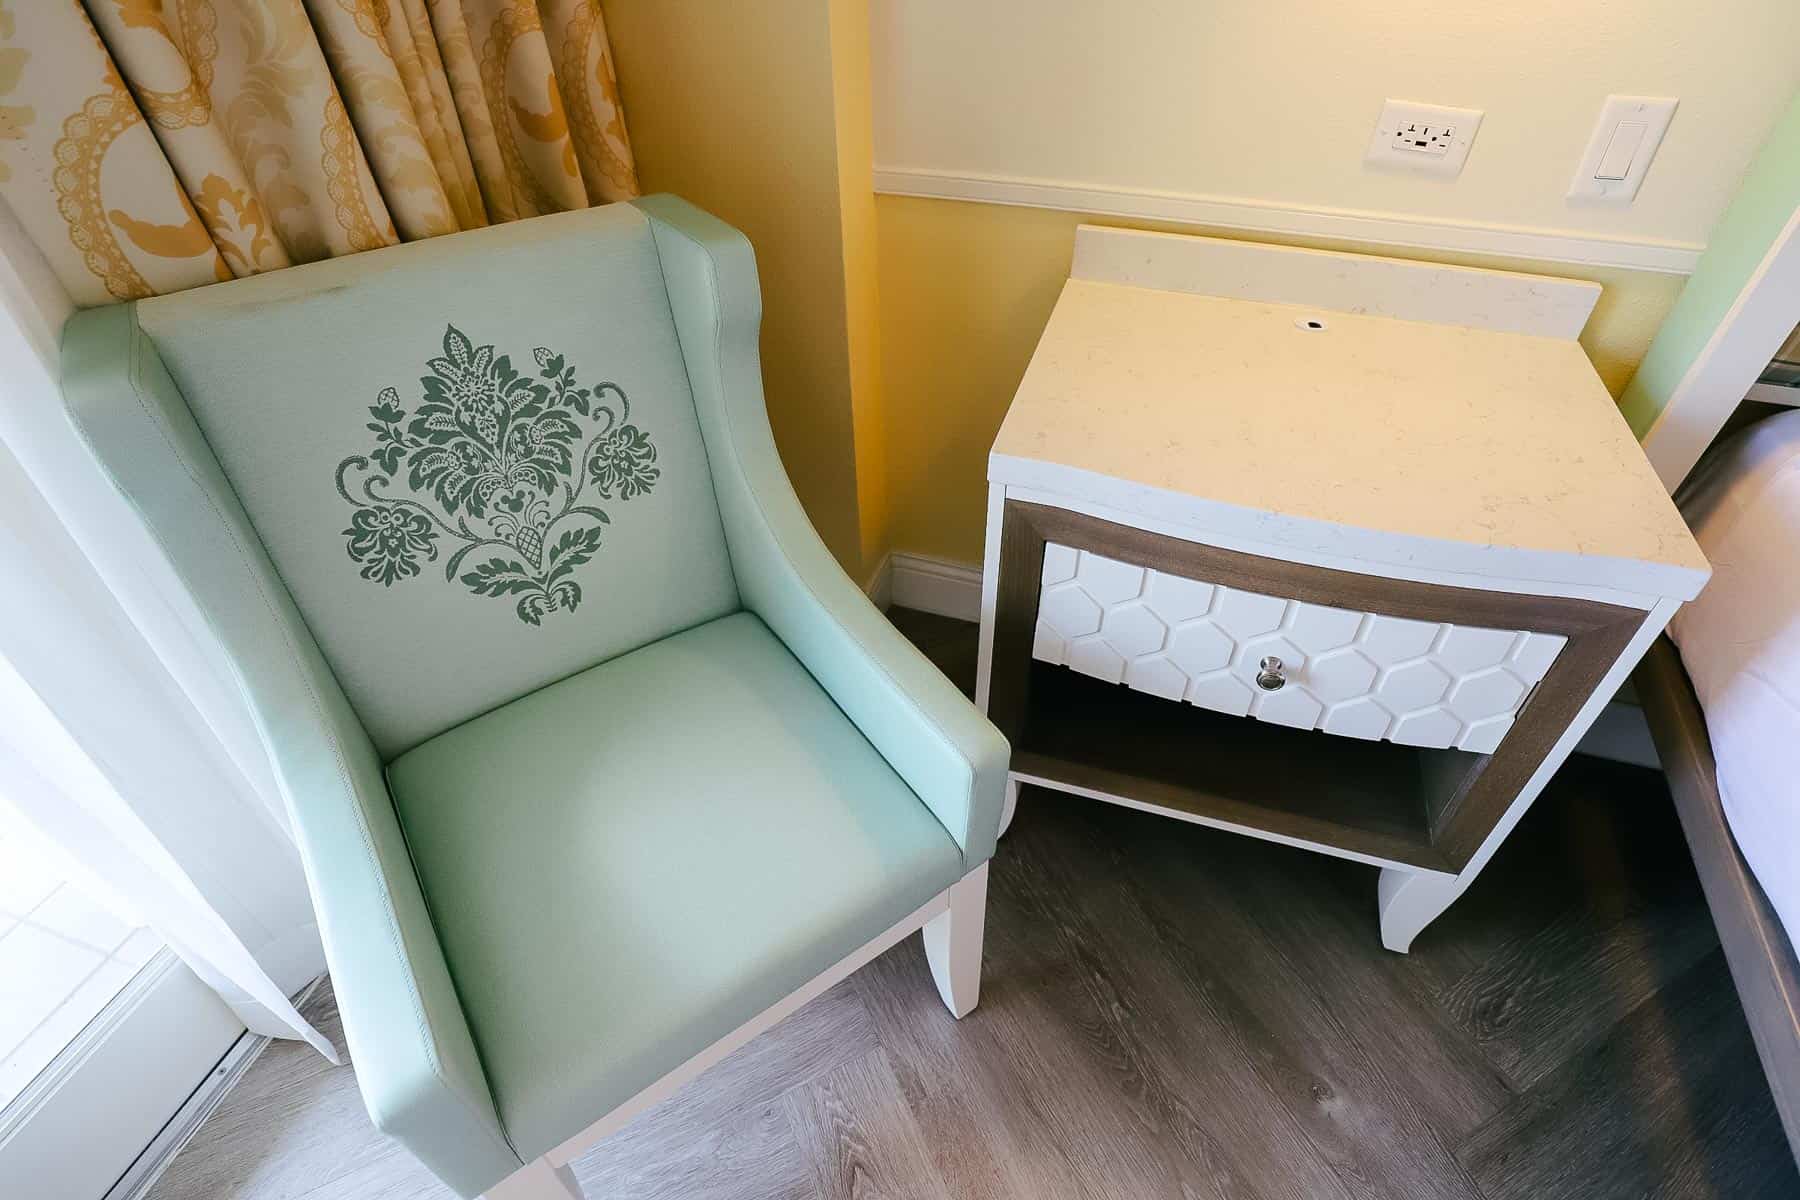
598 763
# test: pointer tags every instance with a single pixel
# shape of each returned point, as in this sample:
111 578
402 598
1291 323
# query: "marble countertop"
1427 431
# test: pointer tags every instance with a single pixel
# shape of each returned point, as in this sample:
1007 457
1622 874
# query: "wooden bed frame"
1764 965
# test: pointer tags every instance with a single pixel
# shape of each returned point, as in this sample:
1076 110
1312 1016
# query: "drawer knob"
1270 677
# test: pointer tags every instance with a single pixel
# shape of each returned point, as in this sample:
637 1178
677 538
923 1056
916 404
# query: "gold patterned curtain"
152 145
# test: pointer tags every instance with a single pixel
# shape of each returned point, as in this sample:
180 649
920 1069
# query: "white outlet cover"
1432 139
1631 127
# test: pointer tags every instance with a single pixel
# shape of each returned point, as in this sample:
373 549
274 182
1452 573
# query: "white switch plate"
1429 138
1620 149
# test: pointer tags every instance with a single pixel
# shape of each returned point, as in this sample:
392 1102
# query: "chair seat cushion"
625 866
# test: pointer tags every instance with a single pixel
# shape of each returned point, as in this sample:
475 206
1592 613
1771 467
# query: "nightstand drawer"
1115 601
1291 662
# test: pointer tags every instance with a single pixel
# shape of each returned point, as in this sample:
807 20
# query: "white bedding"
1740 642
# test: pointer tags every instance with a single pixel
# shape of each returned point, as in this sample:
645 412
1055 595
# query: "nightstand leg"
1411 900
1010 806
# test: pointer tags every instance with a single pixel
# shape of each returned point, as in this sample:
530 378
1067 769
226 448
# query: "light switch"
1616 162
1621 148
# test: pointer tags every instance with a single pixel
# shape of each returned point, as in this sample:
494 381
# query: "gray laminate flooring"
1169 1011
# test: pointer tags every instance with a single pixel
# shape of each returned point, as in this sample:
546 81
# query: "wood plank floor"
1170 1011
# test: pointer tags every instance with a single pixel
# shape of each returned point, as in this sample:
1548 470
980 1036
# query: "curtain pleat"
398 127
153 145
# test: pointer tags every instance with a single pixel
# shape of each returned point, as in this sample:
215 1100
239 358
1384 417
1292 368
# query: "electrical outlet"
1428 138
1417 137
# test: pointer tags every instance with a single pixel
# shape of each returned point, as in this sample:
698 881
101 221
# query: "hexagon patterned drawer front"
1358 674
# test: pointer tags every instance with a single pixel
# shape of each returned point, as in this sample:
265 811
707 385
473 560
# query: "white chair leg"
1411 900
1010 806
953 943
536 1180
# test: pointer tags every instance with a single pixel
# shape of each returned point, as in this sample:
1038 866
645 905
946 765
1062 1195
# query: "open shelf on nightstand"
1240 452
1371 798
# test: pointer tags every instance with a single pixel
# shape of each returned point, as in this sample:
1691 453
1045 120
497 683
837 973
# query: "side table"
1340 551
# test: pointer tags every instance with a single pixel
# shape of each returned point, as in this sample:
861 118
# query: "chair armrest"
947 752
415 1058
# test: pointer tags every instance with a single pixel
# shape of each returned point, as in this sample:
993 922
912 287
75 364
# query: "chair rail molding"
1299 220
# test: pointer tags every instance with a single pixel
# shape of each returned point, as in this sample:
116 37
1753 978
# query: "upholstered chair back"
405 488
474 462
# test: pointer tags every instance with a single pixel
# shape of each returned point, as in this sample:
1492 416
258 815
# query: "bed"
1721 694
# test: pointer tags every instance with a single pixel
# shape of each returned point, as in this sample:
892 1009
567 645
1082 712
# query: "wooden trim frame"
1765 966
1459 797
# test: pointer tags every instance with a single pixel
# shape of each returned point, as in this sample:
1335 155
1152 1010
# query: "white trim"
149 1166
767 1019
935 585
85 1121
17 1114
180 1129
1262 216
1752 330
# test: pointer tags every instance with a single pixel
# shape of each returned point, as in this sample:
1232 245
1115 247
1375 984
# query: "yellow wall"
896 329
758 113
965 292
862 294
1272 102
1265 108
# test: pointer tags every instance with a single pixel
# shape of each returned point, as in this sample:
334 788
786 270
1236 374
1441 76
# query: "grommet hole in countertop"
1310 324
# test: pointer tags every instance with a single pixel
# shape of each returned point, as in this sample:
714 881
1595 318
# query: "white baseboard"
142 1175
1262 216
953 589
149 1166
933 585
86 1118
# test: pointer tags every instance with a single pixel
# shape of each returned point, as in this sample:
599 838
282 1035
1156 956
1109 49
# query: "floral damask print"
495 461
388 540
624 460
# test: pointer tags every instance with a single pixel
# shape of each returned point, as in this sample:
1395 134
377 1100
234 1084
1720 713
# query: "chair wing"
950 755
415 1060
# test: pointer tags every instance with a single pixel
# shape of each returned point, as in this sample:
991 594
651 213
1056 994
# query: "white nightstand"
1341 551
